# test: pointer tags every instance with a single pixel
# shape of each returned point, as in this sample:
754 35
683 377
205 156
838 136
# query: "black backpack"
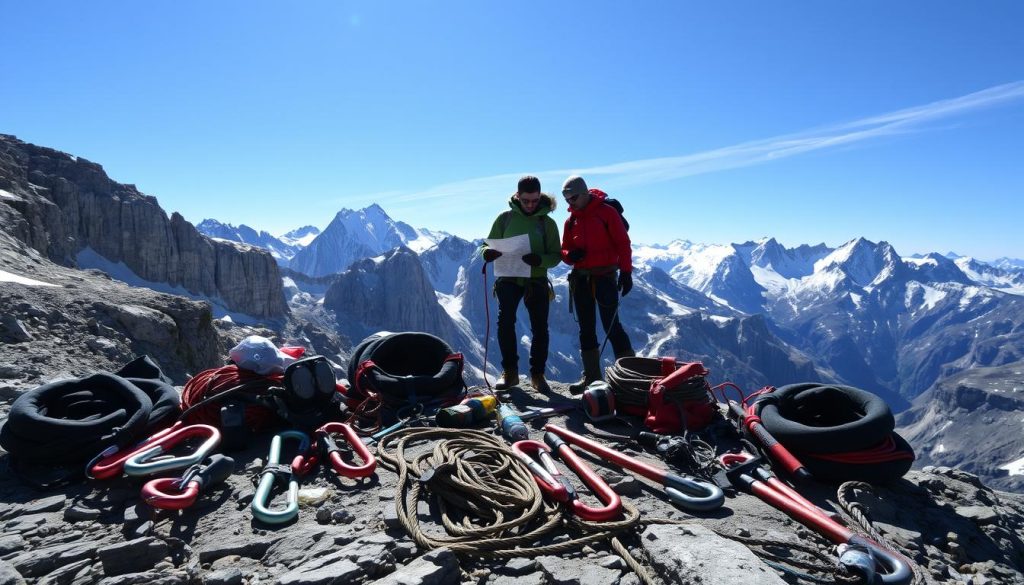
614 203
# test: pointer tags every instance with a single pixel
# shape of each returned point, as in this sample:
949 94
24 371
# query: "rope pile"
490 505
200 406
630 379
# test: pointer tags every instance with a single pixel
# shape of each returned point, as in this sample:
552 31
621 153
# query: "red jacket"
598 229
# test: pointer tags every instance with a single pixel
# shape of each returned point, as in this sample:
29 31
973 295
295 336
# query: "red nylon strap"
363 367
881 453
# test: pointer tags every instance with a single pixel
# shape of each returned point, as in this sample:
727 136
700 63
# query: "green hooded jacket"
546 243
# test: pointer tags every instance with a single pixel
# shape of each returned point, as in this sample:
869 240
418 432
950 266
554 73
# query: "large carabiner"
537 458
179 493
110 463
260 509
149 461
324 445
612 503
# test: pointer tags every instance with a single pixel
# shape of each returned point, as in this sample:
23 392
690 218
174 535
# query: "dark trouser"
534 295
592 293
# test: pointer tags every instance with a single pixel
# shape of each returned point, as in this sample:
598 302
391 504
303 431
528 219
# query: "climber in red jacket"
595 243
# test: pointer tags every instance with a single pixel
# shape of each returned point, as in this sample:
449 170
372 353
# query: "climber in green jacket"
527 214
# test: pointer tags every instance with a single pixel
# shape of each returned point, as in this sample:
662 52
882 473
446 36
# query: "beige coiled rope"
490 505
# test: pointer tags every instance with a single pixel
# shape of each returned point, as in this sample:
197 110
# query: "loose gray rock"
520 566
149 578
80 513
11 543
40 561
9 575
51 504
229 576
288 551
12 330
980 515
25 523
537 578
437 567
368 556
692 553
222 543
562 571
133 556
67 573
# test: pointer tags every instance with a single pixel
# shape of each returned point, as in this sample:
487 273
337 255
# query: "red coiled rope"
228 378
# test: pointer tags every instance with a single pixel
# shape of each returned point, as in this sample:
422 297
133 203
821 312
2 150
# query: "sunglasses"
571 198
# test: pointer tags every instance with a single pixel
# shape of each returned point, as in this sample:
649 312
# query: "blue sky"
713 122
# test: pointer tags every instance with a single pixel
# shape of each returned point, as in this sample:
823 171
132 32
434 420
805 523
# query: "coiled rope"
490 505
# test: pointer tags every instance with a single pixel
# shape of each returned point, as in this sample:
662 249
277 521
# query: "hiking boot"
540 384
591 370
508 380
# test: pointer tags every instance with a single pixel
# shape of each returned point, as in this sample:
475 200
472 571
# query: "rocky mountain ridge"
59 205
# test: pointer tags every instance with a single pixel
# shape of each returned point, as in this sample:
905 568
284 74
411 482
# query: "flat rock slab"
366 557
690 553
38 562
561 571
133 556
437 567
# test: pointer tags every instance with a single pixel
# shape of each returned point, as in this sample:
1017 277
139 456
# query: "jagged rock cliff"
59 205
972 421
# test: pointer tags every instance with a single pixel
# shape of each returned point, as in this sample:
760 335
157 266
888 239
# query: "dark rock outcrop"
59 205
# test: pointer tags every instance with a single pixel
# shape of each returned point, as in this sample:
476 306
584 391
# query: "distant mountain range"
859 313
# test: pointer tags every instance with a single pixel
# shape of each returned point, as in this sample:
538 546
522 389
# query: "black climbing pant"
598 293
534 294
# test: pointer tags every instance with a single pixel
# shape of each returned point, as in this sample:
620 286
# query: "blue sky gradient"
714 122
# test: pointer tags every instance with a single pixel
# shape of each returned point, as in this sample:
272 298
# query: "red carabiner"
160 493
110 463
325 444
537 458
612 503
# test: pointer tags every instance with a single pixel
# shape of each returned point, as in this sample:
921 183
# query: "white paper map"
510 263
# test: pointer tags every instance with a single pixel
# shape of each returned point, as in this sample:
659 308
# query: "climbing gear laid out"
69 421
673 396
681 400
490 504
685 452
180 493
863 556
749 422
546 411
231 399
391 370
754 466
114 461
467 413
599 401
690 494
538 458
311 393
324 447
839 433
274 469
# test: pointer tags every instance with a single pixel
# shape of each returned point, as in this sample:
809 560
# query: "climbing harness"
889 567
180 493
537 457
325 447
690 494
273 469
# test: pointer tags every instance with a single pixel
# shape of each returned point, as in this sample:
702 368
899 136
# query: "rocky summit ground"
953 527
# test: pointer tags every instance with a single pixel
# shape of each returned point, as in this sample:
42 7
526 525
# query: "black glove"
532 259
576 255
491 255
625 282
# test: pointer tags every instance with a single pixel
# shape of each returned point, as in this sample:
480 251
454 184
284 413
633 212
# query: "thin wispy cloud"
655 170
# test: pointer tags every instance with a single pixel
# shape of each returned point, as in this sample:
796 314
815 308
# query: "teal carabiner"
154 458
260 509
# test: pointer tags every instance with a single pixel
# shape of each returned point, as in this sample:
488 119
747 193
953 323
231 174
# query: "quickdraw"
181 493
260 504
537 457
324 446
857 553
111 463
688 493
